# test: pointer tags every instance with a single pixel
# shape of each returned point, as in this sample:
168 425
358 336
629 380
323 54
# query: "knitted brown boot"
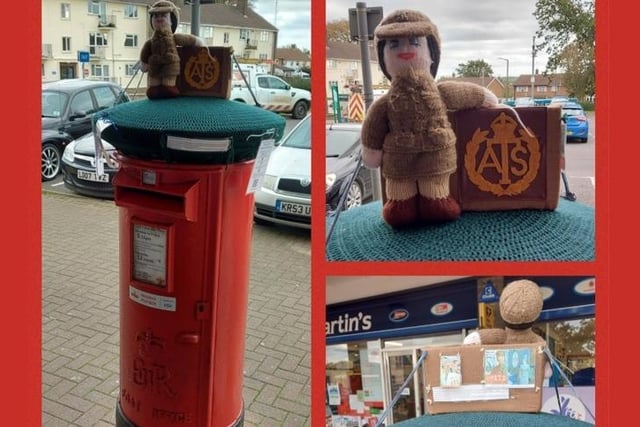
401 213
438 210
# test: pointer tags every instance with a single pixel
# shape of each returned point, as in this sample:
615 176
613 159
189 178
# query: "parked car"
576 120
285 196
524 101
79 172
343 153
67 108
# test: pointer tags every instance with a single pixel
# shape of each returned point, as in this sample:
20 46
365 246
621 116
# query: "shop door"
397 365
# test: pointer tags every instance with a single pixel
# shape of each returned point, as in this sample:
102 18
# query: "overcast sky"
291 17
470 30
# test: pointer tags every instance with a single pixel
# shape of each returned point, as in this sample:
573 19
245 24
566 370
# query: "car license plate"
293 208
92 176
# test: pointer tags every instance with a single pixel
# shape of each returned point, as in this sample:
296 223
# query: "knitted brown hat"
163 6
407 23
520 303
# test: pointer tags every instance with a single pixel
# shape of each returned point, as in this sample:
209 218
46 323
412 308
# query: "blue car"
576 120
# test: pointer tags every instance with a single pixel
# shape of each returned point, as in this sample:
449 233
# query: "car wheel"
50 162
299 110
354 196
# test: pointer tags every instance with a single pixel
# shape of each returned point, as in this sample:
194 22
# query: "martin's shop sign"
448 307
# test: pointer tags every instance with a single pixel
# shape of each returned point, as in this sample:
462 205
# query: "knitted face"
403 53
161 20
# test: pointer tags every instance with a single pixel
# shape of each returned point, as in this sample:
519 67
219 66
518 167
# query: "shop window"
572 343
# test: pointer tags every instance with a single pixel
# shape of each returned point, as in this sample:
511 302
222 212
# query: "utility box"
185 225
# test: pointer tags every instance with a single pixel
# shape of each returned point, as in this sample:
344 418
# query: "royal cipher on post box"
185 217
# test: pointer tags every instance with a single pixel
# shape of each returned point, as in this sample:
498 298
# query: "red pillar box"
185 234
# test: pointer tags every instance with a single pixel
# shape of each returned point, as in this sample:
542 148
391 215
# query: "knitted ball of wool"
521 302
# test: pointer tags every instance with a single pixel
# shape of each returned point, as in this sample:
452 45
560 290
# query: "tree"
338 31
567 31
474 68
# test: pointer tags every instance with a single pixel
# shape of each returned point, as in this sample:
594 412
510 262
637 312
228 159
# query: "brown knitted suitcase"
500 165
205 71
478 386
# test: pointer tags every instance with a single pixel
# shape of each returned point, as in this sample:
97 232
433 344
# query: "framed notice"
150 263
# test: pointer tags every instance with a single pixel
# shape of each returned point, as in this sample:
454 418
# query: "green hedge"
298 82
588 106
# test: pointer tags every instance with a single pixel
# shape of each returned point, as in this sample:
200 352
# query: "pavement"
80 318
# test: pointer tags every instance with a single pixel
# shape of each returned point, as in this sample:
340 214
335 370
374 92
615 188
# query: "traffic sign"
83 56
356 107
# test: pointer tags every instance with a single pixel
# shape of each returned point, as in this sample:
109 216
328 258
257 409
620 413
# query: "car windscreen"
300 136
53 103
339 141
573 111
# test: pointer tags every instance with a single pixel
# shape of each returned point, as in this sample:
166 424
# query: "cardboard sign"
504 378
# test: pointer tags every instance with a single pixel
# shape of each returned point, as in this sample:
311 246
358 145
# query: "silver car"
285 196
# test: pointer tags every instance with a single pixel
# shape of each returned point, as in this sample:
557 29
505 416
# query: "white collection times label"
148 299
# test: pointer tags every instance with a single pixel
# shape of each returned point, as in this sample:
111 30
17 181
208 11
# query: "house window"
206 31
66 44
331 63
131 40
130 11
226 38
264 36
131 69
94 7
263 56
96 40
244 34
100 71
183 29
65 10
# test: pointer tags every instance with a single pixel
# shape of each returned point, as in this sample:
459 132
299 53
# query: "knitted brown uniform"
409 123
161 54
520 306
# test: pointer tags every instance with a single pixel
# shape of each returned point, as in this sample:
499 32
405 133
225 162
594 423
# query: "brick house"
494 84
544 86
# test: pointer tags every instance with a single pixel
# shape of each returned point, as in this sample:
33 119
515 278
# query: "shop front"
373 344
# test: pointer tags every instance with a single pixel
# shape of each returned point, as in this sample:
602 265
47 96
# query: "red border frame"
21 315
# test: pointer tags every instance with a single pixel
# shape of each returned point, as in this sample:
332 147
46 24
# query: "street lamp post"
507 61
533 62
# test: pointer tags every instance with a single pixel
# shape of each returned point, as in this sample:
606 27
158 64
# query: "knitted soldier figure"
159 55
520 306
406 131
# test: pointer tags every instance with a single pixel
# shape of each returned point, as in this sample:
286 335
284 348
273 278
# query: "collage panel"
460 350
471 153
468 150
176 249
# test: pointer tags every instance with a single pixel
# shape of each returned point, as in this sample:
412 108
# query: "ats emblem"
504 163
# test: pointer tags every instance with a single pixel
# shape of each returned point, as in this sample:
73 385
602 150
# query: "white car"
285 196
